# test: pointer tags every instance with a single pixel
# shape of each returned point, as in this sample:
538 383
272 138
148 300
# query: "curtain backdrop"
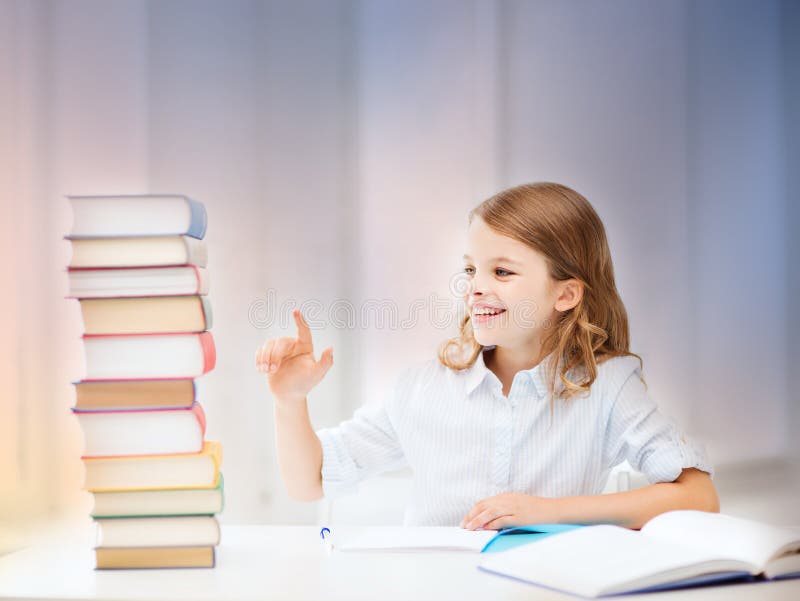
339 145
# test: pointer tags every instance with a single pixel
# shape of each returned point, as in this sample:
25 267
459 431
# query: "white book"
148 356
143 432
137 281
146 251
677 548
179 531
142 503
429 538
137 215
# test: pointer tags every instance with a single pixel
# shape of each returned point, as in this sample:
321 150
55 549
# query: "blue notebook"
522 535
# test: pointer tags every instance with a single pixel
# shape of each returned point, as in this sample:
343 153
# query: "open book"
450 538
431 538
677 548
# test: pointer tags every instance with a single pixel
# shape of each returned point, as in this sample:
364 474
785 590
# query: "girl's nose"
480 284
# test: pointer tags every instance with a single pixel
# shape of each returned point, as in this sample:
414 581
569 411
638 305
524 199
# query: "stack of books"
138 272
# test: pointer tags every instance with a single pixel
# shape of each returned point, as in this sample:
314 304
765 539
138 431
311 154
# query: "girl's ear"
569 295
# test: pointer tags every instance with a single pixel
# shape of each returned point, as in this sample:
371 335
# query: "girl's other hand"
289 363
511 509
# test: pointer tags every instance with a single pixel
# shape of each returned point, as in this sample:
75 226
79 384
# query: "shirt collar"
478 372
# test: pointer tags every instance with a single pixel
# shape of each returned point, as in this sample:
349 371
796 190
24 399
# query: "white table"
288 562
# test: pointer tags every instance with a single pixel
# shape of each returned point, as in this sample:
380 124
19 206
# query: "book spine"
200 414
209 351
198 220
217 528
214 450
195 251
205 306
202 280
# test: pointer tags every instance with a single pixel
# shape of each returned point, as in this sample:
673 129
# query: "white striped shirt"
465 441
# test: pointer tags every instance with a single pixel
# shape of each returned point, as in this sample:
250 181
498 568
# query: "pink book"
142 432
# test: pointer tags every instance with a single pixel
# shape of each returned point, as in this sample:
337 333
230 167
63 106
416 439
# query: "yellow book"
155 557
149 315
155 472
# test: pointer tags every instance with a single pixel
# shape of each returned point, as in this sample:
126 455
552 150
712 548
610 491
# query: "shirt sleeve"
650 441
360 447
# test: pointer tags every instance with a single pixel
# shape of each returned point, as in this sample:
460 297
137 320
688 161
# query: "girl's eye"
498 271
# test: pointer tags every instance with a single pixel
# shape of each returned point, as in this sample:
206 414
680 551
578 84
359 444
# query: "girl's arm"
693 489
292 371
321 463
299 451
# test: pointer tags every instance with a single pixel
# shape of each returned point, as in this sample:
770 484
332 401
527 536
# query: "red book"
110 282
148 356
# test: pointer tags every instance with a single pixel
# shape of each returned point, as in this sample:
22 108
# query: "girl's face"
511 280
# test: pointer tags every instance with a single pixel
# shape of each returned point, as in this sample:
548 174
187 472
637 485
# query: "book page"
785 565
725 535
429 538
598 560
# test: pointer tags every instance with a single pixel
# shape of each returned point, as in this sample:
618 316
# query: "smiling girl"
522 416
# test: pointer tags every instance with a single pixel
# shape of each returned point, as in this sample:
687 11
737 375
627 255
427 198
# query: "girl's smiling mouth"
482 313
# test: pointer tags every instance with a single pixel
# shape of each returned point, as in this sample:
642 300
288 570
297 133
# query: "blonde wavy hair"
564 227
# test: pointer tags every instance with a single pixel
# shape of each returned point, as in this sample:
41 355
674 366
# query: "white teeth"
487 311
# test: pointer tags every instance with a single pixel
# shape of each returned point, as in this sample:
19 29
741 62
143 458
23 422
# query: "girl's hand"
290 366
510 509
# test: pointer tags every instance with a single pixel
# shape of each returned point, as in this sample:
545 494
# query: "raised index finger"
303 331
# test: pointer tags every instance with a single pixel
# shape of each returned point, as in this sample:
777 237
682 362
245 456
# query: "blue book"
132 215
509 538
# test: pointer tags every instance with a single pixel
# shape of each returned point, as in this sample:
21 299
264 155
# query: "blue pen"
327 540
